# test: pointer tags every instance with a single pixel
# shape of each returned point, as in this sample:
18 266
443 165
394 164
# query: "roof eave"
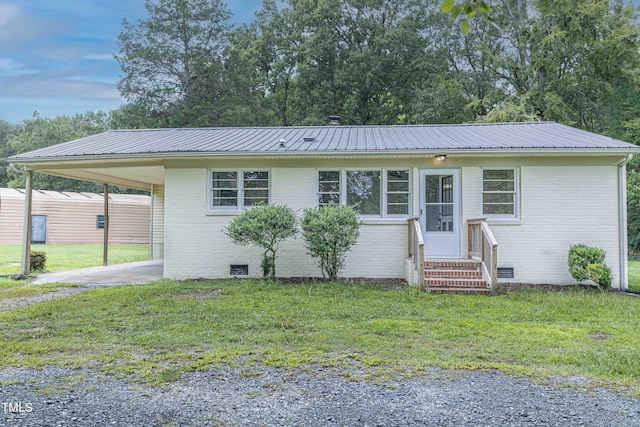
334 153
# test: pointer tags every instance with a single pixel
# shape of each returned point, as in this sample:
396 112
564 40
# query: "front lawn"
634 274
66 257
156 332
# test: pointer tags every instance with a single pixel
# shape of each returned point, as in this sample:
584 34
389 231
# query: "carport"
105 168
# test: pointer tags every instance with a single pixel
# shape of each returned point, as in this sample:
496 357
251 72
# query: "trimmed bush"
329 233
266 227
587 263
38 260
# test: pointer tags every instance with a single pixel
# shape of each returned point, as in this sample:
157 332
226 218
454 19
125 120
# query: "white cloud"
10 67
99 57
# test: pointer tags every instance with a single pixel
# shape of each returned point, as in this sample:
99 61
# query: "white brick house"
540 186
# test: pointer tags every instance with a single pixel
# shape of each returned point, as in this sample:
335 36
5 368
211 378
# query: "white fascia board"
332 154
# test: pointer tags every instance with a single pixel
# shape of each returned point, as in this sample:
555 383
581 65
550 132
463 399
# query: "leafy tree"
329 233
40 132
361 60
465 10
562 57
276 50
6 133
468 87
181 43
266 227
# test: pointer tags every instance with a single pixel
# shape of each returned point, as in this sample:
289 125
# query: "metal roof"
319 140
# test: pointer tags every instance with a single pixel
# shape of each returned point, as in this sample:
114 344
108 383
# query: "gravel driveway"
271 397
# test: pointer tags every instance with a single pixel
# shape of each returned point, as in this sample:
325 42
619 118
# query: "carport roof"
328 140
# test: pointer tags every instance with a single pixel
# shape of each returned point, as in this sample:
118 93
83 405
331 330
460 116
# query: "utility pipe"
622 221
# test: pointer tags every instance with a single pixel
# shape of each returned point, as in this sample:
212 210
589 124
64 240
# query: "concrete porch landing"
131 273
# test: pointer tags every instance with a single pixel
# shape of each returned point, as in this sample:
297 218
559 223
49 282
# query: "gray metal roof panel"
533 136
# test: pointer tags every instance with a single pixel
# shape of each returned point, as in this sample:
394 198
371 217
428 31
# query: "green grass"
634 274
65 257
155 332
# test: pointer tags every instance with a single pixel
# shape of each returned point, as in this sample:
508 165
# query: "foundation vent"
505 273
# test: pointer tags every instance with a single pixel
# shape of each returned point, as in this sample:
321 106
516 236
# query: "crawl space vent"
239 270
505 273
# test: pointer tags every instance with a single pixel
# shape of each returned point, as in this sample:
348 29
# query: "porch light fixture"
440 158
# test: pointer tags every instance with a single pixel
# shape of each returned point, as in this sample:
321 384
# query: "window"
328 188
255 188
363 191
99 221
499 192
398 192
234 190
377 192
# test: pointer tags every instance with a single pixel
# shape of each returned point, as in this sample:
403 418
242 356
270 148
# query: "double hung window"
500 193
235 190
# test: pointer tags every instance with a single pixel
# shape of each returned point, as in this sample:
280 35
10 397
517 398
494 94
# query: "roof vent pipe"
334 120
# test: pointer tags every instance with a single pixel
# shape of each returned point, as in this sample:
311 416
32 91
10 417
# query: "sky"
56 56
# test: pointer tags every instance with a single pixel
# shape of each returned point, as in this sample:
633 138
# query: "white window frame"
516 194
383 189
240 188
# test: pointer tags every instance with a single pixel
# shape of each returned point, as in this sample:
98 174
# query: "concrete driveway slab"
131 273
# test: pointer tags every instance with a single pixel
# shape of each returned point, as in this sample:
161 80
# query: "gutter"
328 154
622 222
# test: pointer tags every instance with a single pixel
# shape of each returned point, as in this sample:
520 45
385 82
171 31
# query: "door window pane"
439 203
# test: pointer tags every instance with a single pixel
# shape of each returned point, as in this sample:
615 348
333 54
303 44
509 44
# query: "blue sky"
56 56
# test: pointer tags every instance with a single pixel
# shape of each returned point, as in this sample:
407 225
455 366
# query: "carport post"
105 251
25 265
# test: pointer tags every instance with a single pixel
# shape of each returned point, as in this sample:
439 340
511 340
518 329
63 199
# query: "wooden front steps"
455 276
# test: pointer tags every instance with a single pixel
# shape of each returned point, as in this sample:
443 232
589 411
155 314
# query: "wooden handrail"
416 248
482 245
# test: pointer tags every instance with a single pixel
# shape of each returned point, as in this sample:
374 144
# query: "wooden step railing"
483 246
416 248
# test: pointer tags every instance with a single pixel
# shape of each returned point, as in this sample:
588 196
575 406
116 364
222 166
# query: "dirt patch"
203 294
599 336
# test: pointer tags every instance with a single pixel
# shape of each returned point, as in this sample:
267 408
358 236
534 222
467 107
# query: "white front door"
440 212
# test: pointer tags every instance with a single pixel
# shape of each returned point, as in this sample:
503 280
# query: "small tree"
587 263
329 233
264 226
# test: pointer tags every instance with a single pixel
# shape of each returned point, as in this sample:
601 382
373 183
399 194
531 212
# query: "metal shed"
69 217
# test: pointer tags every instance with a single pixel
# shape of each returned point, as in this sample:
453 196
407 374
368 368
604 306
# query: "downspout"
151 221
25 264
622 221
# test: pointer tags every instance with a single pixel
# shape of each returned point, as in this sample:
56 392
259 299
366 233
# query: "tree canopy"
371 62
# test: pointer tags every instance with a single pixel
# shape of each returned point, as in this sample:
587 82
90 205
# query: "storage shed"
61 217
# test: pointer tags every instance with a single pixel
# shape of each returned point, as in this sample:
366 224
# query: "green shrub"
329 233
38 260
587 263
600 274
266 227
